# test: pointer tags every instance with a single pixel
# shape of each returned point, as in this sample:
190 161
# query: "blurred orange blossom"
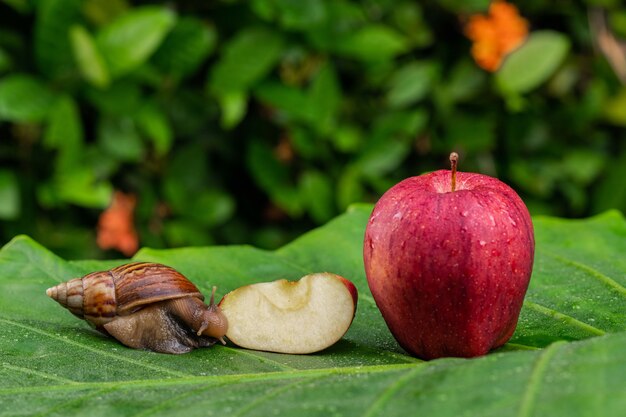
496 34
115 225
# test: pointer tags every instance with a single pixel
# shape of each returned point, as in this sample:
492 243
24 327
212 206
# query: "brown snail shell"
144 305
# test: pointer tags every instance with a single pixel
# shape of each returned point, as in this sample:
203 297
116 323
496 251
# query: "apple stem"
454 157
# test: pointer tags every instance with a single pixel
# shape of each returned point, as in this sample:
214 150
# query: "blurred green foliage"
252 121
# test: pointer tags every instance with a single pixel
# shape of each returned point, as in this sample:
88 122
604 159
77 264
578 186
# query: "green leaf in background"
53 52
122 98
5 61
582 166
318 106
317 195
342 19
565 359
611 192
472 133
409 17
21 6
24 99
347 138
9 195
411 83
349 188
130 40
274 177
241 65
293 103
119 138
533 63
65 132
80 185
372 43
246 58
299 15
211 208
155 125
102 12
617 20
185 47
234 106
464 82
466 6
390 141
615 108
324 99
89 59
182 232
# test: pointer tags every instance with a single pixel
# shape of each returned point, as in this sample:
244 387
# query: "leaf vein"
74 401
390 391
530 395
273 393
562 316
38 373
610 282
161 405
91 349
258 357
209 379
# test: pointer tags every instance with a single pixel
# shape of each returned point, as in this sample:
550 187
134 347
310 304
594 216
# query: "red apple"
448 257
303 316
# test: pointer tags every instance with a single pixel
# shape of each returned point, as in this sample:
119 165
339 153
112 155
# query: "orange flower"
115 225
495 35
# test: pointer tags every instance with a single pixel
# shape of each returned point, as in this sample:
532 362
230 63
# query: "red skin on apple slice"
449 269
298 317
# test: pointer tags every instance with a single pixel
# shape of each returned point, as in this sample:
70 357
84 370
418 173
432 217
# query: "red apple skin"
351 289
449 270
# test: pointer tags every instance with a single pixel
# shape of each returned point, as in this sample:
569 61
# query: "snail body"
144 306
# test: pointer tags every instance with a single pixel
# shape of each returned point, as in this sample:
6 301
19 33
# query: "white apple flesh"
298 317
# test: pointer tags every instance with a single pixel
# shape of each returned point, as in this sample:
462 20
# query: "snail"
144 306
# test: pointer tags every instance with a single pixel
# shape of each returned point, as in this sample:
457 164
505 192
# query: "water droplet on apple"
482 243
464 213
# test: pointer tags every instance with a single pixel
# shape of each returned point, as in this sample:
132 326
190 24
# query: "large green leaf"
565 359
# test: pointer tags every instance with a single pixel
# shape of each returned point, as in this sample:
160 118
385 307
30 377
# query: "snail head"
214 323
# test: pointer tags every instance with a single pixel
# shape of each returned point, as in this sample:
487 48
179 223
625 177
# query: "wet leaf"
565 359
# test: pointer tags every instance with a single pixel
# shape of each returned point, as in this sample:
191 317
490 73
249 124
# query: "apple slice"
303 316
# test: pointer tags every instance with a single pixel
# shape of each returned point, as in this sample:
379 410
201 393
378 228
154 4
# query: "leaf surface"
533 63
565 359
128 42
